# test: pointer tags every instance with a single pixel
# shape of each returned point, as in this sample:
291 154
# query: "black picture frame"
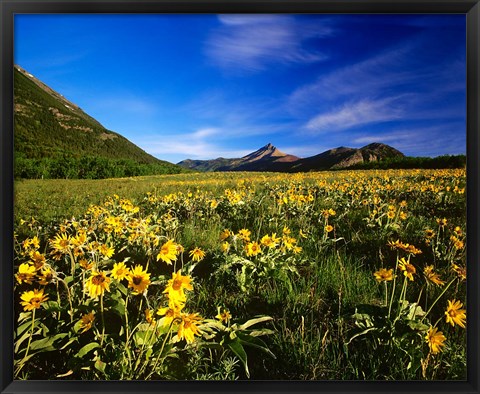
8 8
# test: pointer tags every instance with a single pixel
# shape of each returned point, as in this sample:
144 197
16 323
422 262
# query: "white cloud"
355 114
251 42
198 144
371 75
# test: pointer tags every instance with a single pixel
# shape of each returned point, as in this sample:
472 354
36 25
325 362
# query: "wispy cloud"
356 114
251 42
394 69
195 145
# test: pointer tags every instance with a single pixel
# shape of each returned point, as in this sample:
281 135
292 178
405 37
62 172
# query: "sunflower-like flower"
270 241
252 249
328 228
38 259
26 273
460 271
148 317
85 264
225 234
46 276
97 284
244 234
138 280
120 271
407 268
86 321
432 277
225 246
188 327
168 252
435 340
442 222
106 250
32 299
197 254
429 233
176 285
170 313
289 242
383 275
61 243
454 314
223 316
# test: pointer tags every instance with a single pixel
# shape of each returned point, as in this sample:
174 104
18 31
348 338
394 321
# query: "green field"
328 275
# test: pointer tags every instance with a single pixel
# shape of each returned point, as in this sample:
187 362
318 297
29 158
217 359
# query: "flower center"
177 284
137 280
98 280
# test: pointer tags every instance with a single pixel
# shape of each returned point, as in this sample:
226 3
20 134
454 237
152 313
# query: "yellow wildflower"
383 275
454 314
435 340
32 299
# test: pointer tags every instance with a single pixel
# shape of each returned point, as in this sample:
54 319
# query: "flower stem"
440 296
168 335
386 293
103 320
393 288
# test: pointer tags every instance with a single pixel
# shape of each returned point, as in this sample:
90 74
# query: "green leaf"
68 343
46 344
418 326
100 365
21 340
362 333
140 337
237 348
77 326
65 374
22 328
122 288
414 311
263 331
251 322
116 304
52 306
24 315
87 348
255 342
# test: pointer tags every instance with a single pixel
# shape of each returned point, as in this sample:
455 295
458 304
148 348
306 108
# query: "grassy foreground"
331 275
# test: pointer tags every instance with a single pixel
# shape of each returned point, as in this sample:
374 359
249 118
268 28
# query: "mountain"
50 127
269 158
343 157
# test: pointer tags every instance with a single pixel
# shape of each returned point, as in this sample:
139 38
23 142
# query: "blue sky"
205 86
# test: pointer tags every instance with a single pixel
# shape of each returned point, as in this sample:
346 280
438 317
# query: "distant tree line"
86 167
439 162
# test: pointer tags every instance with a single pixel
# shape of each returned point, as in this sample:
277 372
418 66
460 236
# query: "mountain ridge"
270 158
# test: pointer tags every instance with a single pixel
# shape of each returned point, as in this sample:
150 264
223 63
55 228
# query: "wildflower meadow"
342 275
